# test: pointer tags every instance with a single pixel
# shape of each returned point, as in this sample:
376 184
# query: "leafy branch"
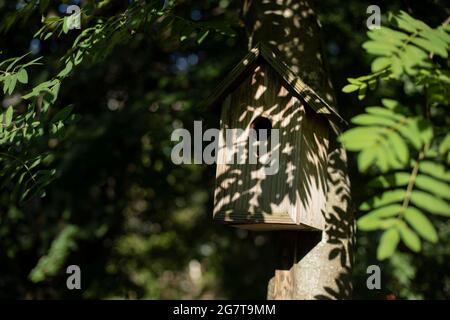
402 49
401 145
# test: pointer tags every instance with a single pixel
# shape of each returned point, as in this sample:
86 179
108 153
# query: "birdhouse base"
261 221
274 227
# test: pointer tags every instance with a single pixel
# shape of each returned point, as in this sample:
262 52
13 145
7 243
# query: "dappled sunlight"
298 190
309 163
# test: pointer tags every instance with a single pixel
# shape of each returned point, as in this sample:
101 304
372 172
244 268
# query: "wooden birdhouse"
287 189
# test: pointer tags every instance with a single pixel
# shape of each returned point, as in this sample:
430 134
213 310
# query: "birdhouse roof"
249 62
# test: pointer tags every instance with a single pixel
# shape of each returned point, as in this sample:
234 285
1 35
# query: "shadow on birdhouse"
261 94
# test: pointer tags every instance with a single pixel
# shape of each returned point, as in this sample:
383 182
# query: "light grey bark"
312 265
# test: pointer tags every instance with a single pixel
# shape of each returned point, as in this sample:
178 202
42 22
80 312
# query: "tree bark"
312 265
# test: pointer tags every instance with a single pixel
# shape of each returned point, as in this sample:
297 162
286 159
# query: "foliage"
51 263
98 106
405 147
78 183
93 43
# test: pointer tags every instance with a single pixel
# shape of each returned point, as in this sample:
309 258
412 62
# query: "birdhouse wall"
294 197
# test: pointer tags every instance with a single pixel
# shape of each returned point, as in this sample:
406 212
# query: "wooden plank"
301 88
272 227
295 195
283 278
256 218
312 171
247 65
233 78
245 187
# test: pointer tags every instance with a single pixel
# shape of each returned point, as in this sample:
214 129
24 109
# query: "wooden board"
260 54
295 196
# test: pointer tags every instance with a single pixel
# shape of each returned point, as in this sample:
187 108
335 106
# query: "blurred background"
138 225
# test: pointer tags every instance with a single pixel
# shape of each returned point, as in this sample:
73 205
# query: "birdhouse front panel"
286 187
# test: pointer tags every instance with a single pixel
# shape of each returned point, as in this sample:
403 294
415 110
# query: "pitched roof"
261 51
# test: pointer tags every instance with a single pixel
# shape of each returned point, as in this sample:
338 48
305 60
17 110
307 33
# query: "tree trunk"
312 265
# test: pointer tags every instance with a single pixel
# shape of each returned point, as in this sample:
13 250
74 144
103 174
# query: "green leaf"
391 156
78 57
7 61
410 239
421 224
48 35
382 161
387 197
391 104
9 83
385 34
365 158
6 83
400 23
62 114
22 76
52 262
442 34
8 116
444 147
384 112
357 82
396 67
388 243
380 63
362 92
65 26
435 186
430 203
430 46
12 83
389 223
43 86
373 84
358 138
67 69
378 48
367 119
435 170
367 223
404 21
385 212
203 36
397 179
417 24
413 57
426 130
15 61
411 132
399 147
350 88
35 163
